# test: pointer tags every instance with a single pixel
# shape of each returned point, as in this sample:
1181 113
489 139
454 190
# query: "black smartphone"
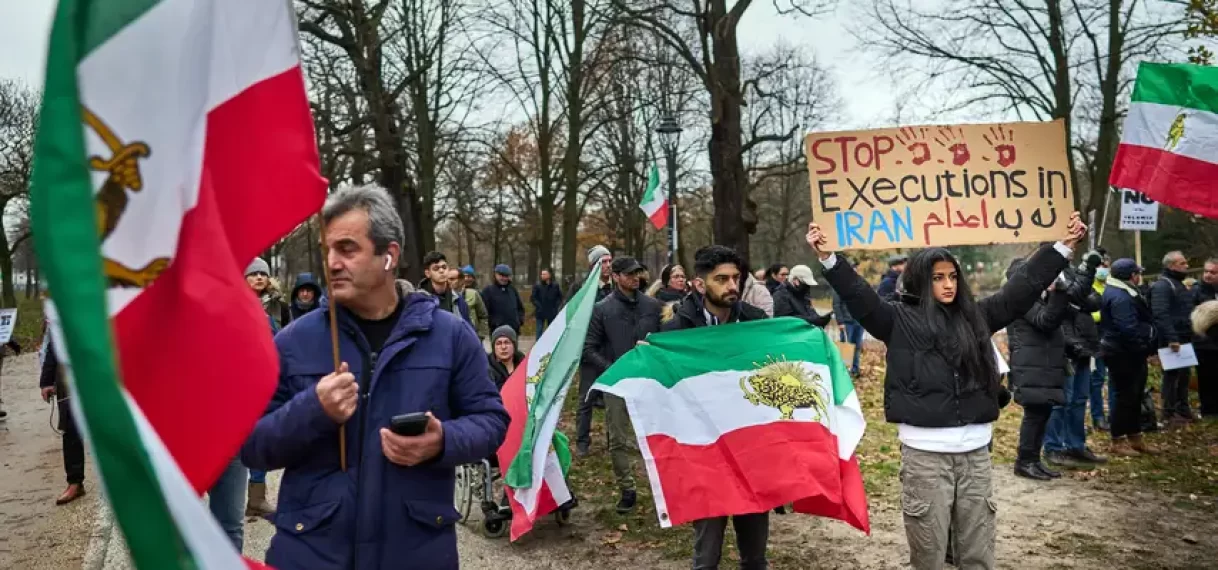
412 424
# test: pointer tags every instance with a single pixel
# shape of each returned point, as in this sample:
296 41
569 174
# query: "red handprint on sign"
914 140
953 140
1002 139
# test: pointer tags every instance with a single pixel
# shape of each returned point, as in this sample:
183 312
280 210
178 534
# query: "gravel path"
34 533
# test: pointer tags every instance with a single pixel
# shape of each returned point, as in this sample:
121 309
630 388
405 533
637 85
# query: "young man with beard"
619 322
1205 291
714 301
1172 303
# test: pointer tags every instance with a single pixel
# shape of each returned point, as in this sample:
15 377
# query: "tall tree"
360 31
18 117
703 34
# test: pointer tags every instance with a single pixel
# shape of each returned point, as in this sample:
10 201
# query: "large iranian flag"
538 456
742 418
174 144
1169 147
655 202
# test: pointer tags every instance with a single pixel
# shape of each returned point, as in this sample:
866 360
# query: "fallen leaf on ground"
1189 539
612 538
623 527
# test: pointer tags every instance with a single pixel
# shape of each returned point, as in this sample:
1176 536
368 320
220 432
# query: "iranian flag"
537 455
1169 148
174 144
741 418
655 202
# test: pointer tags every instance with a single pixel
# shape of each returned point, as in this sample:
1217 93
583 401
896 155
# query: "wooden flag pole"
1137 246
325 272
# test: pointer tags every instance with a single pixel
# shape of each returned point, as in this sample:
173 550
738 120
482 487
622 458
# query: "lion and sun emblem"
787 386
122 170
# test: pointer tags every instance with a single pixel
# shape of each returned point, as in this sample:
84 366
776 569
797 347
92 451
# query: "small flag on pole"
655 201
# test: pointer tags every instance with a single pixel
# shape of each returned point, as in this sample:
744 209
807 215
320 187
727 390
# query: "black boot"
1086 455
1029 471
626 503
1051 473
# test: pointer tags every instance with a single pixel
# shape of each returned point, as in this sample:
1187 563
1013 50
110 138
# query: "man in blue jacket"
1127 337
392 506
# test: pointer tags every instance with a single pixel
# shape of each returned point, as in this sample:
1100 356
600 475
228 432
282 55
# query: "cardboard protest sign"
940 185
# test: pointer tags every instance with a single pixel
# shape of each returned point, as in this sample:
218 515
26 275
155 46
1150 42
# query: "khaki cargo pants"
621 434
948 490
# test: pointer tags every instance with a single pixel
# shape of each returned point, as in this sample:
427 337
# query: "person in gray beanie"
505 355
258 277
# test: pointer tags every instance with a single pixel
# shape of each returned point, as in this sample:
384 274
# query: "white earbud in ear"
388 262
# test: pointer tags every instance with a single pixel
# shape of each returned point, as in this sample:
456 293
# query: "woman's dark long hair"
959 328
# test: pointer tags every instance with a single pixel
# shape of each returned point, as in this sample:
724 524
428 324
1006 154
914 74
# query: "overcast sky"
24 25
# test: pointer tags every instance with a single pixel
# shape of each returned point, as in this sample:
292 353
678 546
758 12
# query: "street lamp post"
670 136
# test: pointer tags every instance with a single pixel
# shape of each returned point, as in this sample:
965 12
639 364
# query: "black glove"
823 320
1004 397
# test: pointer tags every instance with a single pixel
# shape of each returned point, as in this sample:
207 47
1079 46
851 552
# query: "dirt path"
1061 524
34 533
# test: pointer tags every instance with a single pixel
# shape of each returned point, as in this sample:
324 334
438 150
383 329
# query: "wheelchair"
476 482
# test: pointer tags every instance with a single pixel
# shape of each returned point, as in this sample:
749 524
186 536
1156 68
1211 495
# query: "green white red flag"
742 418
174 144
1169 146
655 203
537 455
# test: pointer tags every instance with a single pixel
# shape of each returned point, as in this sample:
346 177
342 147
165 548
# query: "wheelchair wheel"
494 527
468 482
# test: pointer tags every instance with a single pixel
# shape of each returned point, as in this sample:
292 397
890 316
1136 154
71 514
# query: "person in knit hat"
505 355
597 254
258 276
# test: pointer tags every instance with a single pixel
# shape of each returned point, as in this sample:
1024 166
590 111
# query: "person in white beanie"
792 299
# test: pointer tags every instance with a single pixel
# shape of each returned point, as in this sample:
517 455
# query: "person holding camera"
1038 372
1066 439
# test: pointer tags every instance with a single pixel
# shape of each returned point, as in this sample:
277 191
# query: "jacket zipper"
365 397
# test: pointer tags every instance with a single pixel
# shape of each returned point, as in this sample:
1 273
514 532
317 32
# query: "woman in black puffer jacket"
1038 373
942 386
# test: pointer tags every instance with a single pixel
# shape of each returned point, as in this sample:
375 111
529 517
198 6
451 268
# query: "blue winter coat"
1125 321
376 515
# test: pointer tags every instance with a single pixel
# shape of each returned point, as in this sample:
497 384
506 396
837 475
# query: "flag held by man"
743 418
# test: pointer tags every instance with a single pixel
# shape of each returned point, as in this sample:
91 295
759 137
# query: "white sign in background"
8 321
1138 212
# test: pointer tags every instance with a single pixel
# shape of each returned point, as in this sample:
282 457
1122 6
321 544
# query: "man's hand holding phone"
412 450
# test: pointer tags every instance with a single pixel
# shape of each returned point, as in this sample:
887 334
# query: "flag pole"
325 272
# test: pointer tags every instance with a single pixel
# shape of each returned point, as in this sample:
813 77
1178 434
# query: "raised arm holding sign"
940 185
